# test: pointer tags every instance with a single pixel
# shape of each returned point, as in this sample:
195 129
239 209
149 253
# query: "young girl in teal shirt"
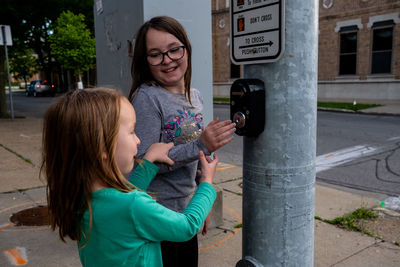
89 143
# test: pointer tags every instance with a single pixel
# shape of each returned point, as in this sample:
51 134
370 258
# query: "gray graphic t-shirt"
162 116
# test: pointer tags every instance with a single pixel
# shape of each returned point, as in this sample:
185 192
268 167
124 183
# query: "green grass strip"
348 106
221 99
18 155
239 225
349 222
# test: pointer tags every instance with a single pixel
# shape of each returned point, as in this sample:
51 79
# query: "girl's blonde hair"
79 138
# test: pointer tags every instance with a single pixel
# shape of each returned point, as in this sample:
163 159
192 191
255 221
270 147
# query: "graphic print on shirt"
185 127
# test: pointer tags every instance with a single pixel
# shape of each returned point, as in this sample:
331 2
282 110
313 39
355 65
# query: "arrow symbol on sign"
270 43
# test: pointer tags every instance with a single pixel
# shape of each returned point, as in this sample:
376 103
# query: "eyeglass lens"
174 54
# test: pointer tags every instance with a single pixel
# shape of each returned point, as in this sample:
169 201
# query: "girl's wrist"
149 158
205 180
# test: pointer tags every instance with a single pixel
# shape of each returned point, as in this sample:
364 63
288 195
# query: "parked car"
40 87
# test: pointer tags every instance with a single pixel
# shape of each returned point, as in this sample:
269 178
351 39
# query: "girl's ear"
103 155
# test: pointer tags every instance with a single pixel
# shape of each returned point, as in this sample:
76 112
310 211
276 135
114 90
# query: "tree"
72 43
31 23
23 65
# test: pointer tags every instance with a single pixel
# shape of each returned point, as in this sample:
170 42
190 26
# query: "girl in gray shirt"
169 110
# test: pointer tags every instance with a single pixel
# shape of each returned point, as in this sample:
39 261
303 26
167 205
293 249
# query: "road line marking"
17 256
394 138
333 159
342 156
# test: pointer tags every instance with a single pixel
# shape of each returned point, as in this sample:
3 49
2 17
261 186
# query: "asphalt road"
29 106
353 150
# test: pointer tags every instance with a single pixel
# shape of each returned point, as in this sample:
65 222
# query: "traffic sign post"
6 40
5 35
279 163
257 31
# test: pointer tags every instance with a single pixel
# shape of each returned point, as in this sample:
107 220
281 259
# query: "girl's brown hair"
140 68
79 138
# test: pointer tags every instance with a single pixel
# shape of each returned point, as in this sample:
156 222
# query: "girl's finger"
224 142
169 161
202 158
170 145
223 128
213 122
216 159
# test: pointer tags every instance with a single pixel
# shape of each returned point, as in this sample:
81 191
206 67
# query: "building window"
235 71
348 50
382 44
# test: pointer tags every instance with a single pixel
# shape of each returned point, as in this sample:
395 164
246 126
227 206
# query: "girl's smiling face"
127 141
169 74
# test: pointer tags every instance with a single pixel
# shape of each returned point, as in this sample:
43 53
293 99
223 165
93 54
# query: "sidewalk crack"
377 242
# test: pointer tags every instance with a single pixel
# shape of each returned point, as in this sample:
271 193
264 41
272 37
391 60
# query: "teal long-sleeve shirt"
127 227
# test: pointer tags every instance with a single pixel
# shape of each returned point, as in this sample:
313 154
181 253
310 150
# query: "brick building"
359 50
224 71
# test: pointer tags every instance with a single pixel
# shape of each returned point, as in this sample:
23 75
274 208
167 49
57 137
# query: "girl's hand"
208 167
158 152
217 134
206 224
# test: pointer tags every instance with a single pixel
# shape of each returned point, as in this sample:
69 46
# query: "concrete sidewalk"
21 188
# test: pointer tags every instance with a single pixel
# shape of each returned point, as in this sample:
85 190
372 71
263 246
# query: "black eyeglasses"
174 54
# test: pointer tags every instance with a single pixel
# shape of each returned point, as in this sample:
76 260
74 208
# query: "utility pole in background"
279 164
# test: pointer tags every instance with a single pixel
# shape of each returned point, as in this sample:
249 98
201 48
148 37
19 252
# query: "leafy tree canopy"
32 22
72 44
23 65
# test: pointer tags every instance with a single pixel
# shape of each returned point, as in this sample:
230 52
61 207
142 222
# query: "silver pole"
279 165
8 71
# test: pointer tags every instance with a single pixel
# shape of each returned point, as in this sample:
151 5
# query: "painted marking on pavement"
22 205
10 227
239 219
394 138
17 256
226 167
4 226
223 166
329 155
333 159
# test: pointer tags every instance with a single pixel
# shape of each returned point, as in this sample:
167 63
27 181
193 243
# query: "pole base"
248 262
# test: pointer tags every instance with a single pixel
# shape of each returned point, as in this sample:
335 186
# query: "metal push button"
240 119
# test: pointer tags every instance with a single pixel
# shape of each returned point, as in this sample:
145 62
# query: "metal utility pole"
279 164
